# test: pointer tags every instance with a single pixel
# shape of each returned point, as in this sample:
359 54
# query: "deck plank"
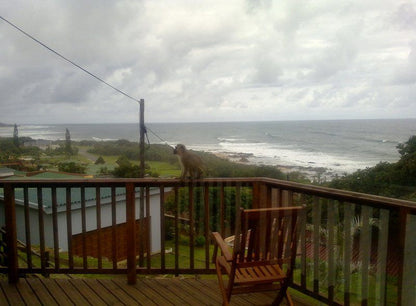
3 299
119 293
100 290
41 292
116 291
27 293
59 295
12 295
86 292
74 295
210 292
159 287
146 287
134 292
173 286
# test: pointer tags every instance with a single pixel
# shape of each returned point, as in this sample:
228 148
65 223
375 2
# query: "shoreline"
320 174
313 174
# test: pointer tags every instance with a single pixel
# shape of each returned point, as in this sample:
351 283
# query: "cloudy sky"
208 60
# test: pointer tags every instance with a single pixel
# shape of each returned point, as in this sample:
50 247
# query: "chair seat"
254 272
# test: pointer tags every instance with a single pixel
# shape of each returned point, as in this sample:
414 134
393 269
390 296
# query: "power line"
157 136
68 60
81 68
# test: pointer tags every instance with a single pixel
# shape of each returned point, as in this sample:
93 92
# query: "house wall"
88 242
76 220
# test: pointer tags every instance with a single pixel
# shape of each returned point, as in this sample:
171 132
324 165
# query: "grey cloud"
195 57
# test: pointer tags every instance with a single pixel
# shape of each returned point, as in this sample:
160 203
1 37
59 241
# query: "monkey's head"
179 149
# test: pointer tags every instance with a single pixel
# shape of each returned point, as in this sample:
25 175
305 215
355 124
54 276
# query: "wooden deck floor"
150 291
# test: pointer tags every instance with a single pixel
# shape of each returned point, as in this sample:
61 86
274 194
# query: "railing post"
256 195
131 233
403 212
11 233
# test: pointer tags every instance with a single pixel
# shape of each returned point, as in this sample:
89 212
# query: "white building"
76 214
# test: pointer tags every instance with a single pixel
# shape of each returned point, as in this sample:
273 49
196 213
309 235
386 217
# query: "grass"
163 169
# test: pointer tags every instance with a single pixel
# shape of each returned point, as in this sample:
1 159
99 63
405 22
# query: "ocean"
330 147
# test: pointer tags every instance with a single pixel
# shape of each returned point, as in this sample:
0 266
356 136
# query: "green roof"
90 195
19 175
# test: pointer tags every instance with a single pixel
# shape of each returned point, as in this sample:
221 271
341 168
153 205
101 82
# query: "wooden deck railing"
354 248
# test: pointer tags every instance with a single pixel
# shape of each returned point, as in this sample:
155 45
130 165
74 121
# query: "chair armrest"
225 249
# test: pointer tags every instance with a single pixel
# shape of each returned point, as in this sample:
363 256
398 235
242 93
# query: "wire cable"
68 60
83 69
160 138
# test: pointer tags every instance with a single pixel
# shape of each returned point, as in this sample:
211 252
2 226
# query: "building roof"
6 172
18 175
90 195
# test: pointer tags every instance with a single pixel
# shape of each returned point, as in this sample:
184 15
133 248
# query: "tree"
126 168
68 148
100 160
408 147
16 136
71 167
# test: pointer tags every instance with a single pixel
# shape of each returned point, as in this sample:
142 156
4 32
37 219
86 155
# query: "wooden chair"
263 255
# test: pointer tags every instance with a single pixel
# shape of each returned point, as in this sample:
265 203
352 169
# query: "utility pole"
142 132
142 169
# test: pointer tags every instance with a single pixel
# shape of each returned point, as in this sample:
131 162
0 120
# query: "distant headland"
5 124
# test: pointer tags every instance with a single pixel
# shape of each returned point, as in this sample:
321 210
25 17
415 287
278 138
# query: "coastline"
320 174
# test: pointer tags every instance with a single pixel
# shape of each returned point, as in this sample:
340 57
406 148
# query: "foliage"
100 160
214 166
131 150
68 146
396 180
61 150
246 198
126 168
408 147
71 167
16 136
10 152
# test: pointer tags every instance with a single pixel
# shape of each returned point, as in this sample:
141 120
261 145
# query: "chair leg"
289 299
282 294
225 300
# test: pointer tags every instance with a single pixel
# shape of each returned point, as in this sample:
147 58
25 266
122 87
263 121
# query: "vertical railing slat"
191 227
55 229
409 263
176 203
206 224
365 252
331 246
27 228
383 238
316 220
162 227
84 230
131 230
98 217
141 222
41 230
69 227
113 227
222 210
303 260
348 214
148 231
11 233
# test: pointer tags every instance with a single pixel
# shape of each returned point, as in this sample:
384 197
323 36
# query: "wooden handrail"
327 209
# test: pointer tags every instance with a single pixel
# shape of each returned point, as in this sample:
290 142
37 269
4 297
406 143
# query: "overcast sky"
208 60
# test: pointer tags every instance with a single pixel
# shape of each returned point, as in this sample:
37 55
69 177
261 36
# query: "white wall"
91 221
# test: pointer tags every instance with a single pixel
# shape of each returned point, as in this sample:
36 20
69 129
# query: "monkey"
190 162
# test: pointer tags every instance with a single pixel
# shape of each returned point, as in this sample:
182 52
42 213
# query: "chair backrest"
268 234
